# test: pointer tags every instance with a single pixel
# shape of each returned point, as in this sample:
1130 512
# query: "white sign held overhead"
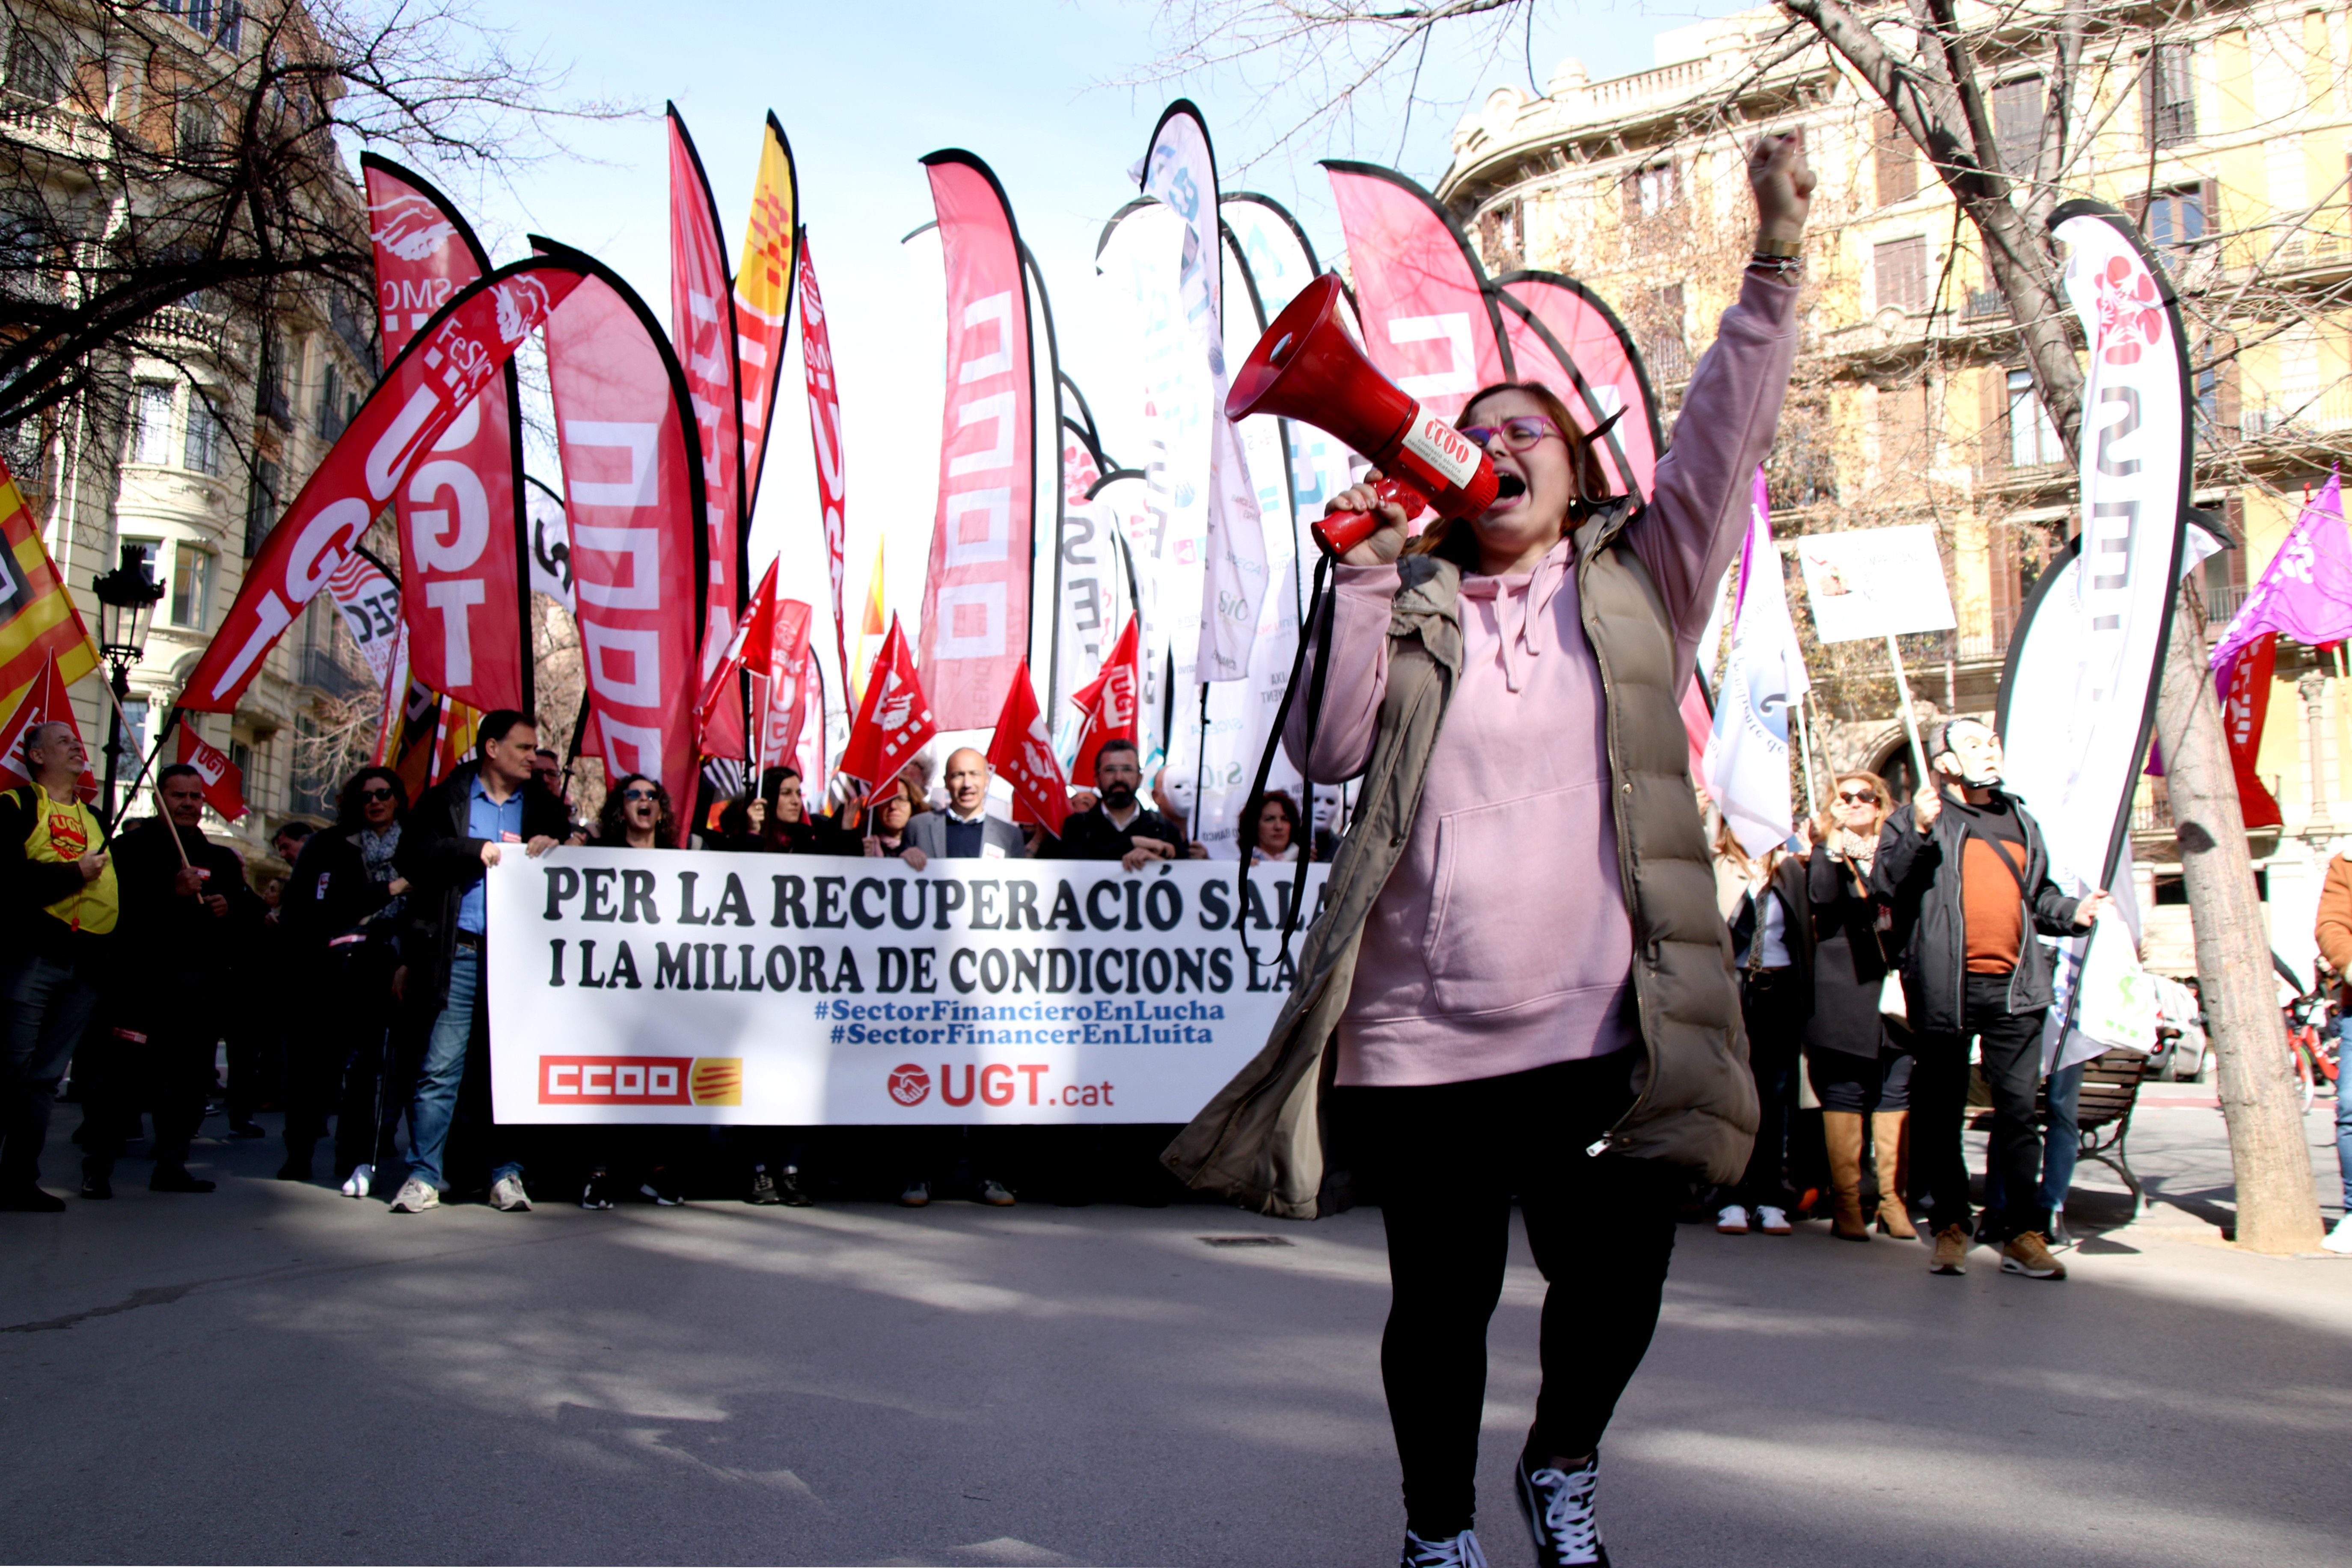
1876 582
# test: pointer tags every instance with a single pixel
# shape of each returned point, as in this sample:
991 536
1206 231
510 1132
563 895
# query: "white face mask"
1977 750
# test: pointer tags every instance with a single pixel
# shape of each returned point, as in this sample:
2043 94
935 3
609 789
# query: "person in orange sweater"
2335 935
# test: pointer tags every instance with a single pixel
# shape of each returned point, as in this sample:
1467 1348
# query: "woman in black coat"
1857 1061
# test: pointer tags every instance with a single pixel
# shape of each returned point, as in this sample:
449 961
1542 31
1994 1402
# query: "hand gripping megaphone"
1307 368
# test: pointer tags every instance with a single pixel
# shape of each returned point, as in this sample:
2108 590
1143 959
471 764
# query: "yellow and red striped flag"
37 618
869 633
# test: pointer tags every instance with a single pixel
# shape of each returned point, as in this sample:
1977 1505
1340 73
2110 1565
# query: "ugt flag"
1763 680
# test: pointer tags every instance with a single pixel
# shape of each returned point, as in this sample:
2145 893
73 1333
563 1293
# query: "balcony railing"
183 326
320 667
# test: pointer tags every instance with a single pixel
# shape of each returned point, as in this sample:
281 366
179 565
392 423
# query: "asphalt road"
275 1374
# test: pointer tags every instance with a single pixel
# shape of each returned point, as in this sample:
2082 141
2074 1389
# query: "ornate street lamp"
126 597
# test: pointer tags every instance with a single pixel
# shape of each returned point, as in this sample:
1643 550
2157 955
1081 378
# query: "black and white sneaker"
595 1195
1560 1516
661 1188
1453 1552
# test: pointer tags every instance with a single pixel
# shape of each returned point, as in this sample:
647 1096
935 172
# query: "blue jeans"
442 1074
49 1002
2061 1145
2343 1113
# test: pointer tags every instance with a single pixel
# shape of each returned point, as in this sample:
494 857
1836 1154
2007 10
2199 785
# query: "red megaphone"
1307 368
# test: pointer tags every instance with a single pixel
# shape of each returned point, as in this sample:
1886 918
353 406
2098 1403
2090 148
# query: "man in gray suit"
964 831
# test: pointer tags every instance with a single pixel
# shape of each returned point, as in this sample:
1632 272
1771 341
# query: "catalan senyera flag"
37 618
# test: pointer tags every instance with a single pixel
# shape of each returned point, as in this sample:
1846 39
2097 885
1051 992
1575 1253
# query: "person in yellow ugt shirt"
58 903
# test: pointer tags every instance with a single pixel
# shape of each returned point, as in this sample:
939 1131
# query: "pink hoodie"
1502 941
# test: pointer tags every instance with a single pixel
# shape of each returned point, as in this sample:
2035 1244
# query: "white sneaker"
507 1195
416 1196
1772 1221
1455 1552
358 1183
2340 1239
1558 1507
1732 1220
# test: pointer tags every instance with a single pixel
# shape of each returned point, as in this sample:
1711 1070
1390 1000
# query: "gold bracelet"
1790 248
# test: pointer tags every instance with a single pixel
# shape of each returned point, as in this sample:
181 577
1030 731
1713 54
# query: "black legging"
1444 1162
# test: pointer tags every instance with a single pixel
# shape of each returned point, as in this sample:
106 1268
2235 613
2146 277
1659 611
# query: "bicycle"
2313 1044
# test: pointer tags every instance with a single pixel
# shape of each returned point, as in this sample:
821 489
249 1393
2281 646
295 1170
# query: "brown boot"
1842 1131
1887 1128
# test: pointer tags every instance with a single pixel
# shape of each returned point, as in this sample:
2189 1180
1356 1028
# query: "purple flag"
2306 592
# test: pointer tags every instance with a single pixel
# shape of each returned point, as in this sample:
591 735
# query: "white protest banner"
1876 582
696 986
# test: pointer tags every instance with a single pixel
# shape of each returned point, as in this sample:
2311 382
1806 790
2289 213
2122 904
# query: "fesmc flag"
2096 626
894 723
763 295
224 781
38 623
1763 681
1022 753
1181 170
2305 593
463 532
976 591
444 368
824 435
702 326
43 700
1110 704
633 483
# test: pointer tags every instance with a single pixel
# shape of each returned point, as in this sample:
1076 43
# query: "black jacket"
441 860
1920 877
28 887
329 893
189 952
1089 834
1787 885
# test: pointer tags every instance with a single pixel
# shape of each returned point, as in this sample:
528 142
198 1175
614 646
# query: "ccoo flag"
44 700
1763 681
894 723
763 295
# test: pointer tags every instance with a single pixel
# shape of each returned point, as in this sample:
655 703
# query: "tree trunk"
2269 1156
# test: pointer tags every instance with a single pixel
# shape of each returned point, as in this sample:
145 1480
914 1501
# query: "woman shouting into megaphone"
1520 979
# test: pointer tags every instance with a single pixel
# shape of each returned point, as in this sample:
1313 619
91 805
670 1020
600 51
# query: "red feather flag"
895 720
1022 753
223 780
1109 703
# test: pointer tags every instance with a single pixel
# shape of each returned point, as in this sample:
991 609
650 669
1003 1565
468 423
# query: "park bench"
2103 1118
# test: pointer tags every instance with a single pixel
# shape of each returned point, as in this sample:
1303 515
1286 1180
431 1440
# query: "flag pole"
132 792
1805 744
1910 718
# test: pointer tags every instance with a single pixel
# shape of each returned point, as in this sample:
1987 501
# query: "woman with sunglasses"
1858 1063
339 913
1522 966
636 816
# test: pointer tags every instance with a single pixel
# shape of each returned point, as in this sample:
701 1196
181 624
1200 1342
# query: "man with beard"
1117 826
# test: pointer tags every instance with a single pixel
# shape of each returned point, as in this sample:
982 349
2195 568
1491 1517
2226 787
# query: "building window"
1902 269
1661 333
192 586
1500 237
205 437
133 748
33 71
1897 160
260 505
145 554
331 402
2016 123
1651 192
2032 439
2168 96
2175 220
150 440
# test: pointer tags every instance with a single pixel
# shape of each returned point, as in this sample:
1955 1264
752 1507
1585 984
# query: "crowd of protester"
342 983
369 950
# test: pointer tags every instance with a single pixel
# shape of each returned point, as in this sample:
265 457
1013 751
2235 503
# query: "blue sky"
863 92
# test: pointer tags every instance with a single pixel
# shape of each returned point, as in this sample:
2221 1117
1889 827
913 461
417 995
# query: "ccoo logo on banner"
694 986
